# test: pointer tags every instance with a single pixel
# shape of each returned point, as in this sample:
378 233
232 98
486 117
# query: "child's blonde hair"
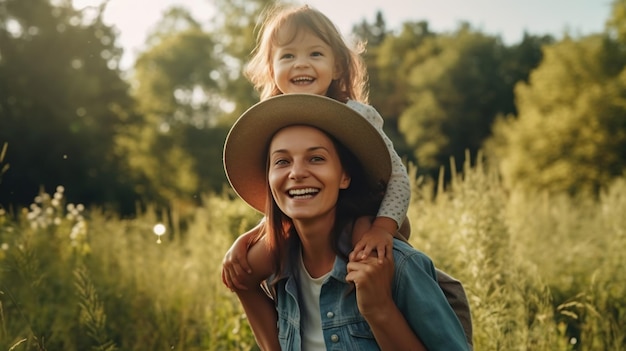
352 82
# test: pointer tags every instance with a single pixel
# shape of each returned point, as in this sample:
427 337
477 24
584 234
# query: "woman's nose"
298 171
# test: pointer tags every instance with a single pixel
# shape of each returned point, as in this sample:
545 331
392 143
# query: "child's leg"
405 230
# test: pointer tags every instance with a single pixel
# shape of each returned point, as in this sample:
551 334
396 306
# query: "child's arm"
235 261
245 253
377 237
395 203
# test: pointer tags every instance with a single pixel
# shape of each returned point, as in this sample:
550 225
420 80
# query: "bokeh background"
516 148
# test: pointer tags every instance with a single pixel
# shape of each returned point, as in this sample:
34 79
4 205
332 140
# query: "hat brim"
245 149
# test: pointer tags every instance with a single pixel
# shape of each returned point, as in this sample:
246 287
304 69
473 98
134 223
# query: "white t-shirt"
310 288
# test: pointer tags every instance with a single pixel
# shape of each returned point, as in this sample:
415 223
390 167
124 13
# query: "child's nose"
302 62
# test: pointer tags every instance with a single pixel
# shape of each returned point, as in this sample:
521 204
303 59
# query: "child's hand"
372 280
370 239
235 263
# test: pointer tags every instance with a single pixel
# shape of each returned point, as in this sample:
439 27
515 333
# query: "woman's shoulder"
405 254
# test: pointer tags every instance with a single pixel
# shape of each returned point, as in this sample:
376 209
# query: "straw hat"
245 150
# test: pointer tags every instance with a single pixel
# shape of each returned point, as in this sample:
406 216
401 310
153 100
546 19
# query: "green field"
542 272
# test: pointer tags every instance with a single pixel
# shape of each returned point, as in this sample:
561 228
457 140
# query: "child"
299 50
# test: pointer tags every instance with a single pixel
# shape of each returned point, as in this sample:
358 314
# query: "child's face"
306 64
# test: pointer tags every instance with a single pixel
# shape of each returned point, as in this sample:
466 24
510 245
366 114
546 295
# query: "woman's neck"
318 254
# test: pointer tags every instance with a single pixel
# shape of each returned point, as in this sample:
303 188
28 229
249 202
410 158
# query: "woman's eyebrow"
286 151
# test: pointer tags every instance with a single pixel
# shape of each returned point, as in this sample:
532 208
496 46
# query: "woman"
317 169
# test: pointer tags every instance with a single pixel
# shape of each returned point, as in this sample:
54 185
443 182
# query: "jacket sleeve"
417 294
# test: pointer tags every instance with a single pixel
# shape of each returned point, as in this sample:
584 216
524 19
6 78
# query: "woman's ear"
345 181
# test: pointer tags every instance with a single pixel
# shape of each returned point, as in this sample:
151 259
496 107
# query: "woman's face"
305 173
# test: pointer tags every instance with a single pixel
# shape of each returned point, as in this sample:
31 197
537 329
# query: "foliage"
61 99
176 98
154 134
237 27
456 85
570 132
617 20
540 269
113 287
542 272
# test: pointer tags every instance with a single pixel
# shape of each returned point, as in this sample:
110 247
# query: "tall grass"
542 272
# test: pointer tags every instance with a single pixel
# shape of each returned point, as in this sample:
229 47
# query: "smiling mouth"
303 80
305 193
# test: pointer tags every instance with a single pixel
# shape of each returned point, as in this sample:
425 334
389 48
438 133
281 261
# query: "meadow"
542 272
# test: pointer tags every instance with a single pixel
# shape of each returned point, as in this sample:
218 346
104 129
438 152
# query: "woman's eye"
317 159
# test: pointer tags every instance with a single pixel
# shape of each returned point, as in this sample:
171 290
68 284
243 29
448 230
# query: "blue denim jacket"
415 292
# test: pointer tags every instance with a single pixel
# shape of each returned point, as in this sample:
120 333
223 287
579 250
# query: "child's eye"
316 53
286 56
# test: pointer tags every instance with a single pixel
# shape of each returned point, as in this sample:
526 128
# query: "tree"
237 27
570 134
388 61
455 87
61 100
616 23
178 83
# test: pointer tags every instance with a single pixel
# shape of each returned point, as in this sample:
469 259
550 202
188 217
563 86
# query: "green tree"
616 23
386 70
172 148
570 134
61 100
456 85
237 26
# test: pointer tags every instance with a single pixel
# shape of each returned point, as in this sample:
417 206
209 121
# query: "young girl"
299 50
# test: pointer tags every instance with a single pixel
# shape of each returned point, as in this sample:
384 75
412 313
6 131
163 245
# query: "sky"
506 18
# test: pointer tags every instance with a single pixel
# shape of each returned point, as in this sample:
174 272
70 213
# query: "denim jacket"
415 292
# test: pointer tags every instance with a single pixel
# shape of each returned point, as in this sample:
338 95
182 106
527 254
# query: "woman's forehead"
299 135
